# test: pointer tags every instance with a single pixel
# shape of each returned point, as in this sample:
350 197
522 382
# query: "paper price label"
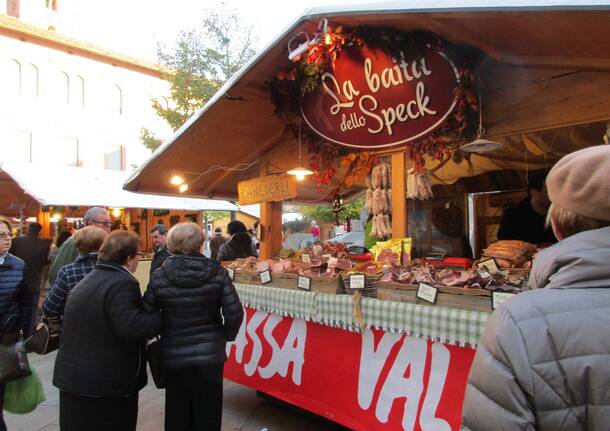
231 272
306 258
327 256
265 277
497 298
356 281
489 265
426 292
304 283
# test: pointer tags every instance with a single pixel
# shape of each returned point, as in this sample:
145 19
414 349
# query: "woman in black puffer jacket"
239 245
201 312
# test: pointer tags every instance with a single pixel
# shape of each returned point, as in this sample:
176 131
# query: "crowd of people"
190 303
543 361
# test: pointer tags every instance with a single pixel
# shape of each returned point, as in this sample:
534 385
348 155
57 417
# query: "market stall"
405 106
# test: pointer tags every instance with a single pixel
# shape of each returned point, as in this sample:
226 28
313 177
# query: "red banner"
369 381
372 100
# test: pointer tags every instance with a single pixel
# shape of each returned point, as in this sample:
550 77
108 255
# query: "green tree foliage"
199 63
325 212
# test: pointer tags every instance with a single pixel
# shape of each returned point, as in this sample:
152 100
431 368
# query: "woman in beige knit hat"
543 362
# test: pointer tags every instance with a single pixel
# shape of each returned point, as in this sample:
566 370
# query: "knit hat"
580 182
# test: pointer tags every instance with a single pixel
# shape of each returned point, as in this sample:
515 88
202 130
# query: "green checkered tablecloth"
449 325
286 302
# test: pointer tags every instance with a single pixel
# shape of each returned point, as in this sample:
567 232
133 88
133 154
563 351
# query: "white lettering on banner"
257 350
436 382
412 356
371 364
293 350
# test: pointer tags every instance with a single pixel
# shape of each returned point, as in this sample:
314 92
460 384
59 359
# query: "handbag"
153 351
14 361
46 337
24 395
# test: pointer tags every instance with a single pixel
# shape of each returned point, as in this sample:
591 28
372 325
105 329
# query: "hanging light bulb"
183 187
176 180
116 212
480 144
300 172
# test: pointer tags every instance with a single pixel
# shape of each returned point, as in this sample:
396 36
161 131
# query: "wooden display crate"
289 281
450 297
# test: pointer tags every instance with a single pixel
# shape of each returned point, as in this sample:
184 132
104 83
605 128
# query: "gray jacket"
543 362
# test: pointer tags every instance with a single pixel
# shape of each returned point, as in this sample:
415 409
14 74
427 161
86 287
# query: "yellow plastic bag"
390 252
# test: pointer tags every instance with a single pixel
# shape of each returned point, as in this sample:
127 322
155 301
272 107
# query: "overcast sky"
135 26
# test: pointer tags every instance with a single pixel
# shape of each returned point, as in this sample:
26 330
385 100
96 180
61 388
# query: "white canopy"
72 186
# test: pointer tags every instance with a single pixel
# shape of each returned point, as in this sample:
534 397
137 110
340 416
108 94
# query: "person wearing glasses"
15 299
68 252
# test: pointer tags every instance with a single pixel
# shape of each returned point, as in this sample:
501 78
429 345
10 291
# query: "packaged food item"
391 252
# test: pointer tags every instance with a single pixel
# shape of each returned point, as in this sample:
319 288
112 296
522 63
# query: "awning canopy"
30 185
539 56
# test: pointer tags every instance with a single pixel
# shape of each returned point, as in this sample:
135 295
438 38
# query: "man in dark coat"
159 236
34 251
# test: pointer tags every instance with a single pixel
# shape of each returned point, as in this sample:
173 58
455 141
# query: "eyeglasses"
6 235
103 223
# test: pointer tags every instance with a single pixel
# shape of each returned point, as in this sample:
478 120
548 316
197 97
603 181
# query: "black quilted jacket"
101 350
201 311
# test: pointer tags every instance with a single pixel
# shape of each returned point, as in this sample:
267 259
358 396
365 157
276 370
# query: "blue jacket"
15 300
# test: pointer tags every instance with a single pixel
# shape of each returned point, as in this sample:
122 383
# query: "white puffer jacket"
543 362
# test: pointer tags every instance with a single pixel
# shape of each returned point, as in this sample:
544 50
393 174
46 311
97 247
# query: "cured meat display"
510 253
379 200
418 185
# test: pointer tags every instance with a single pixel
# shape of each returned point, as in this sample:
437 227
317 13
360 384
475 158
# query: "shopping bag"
152 356
24 395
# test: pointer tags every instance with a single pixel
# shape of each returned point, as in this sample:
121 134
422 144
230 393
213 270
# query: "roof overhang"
532 48
28 186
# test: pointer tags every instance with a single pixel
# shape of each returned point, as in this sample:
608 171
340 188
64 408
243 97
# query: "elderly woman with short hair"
88 241
201 312
100 367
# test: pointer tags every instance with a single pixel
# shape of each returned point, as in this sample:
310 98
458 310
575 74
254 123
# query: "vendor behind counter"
527 220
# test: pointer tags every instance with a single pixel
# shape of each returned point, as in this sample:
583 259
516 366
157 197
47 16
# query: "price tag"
489 265
304 283
231 272
497 298
306 258
356 281
426 292
484 274
265 277
327 256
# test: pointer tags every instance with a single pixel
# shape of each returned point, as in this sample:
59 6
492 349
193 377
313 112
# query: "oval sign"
372 101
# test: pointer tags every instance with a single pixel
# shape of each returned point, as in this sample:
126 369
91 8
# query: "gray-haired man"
96 216
159 237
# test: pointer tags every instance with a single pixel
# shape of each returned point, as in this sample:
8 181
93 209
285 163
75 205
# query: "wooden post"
270 225
399 196
43 219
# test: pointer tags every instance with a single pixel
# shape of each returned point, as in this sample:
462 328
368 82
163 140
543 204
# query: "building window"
114 158
67 153
18 146
64 87
14 77
33 80
80 96
117 99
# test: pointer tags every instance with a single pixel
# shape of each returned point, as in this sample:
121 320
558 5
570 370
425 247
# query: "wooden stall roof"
546 79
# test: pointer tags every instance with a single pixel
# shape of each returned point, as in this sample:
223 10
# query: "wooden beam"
399 196
581 63
577 98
